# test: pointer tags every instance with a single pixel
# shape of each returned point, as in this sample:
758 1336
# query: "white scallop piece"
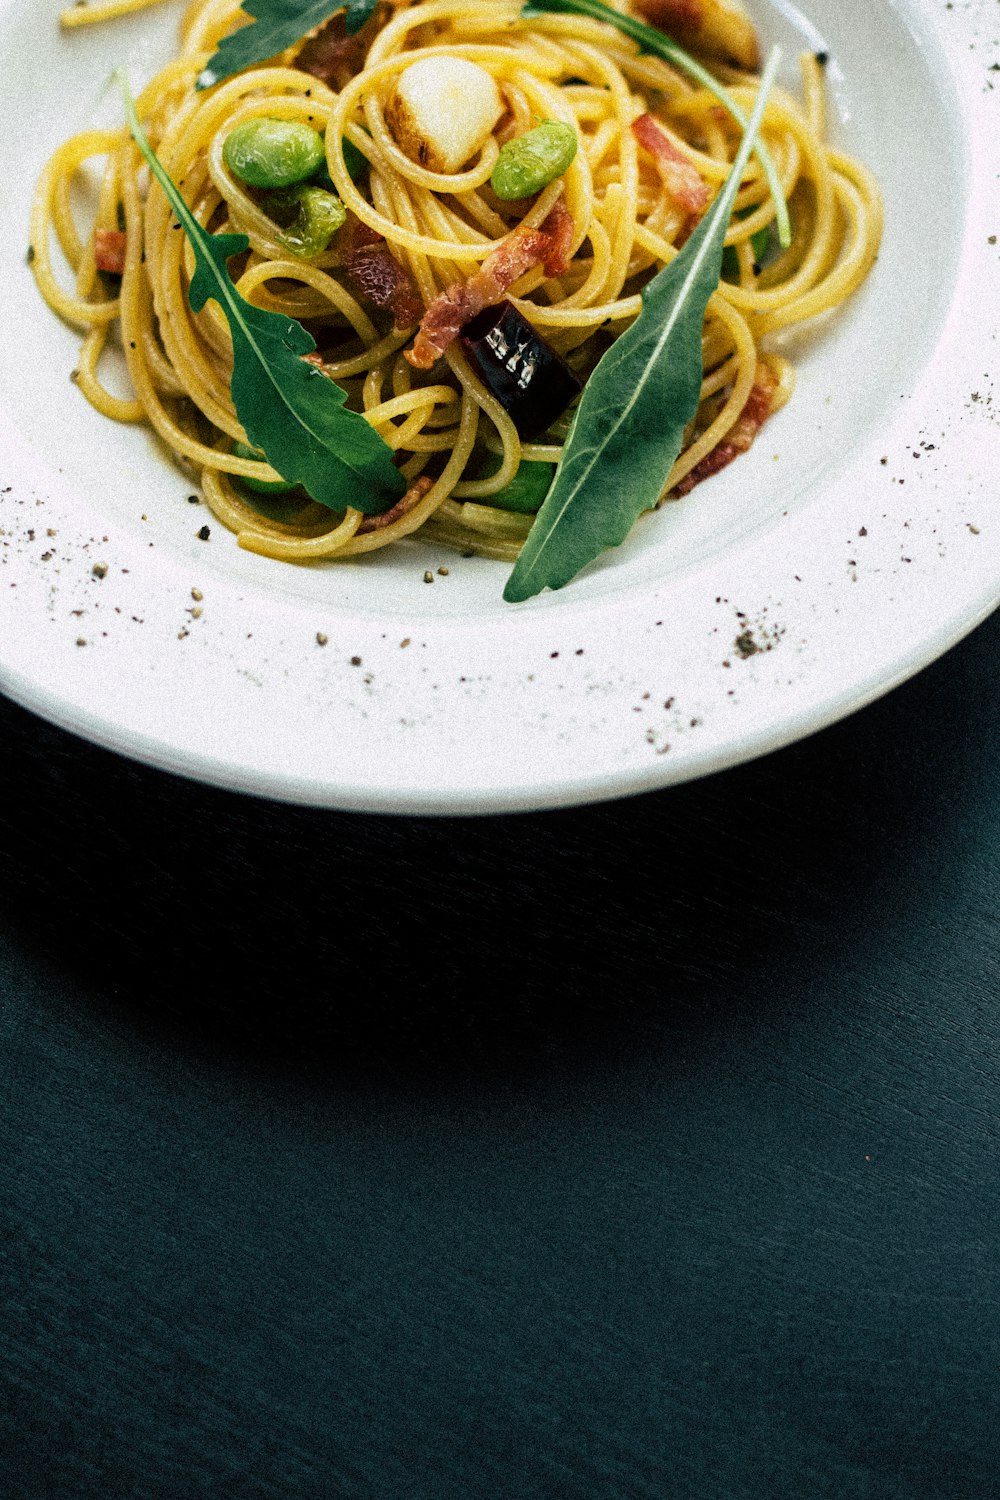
443 110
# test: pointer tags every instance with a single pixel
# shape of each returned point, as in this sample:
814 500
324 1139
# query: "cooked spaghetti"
654 148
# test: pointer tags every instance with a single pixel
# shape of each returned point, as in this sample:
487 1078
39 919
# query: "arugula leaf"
524 493
629 426
276 25
762 243
651 40
288 408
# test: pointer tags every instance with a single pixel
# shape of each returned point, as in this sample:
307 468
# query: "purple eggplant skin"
533 383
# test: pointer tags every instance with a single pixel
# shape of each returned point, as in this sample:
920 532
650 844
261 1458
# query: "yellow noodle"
441 227
87 12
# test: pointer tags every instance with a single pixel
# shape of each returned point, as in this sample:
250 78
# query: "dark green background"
642 1150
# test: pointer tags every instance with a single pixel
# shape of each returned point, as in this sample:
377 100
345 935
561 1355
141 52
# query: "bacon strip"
559 227
720 28
680 178
741 435
460 302
418 489
109 251
673 16
375 273
334 57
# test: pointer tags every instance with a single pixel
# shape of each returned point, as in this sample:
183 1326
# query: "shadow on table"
362 942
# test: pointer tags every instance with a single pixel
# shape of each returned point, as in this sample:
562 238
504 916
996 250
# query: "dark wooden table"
641 1150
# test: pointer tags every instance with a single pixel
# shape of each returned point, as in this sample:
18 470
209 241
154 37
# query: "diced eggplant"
531 381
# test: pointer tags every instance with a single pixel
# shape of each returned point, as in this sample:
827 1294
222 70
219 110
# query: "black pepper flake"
822 58
194 499
204 534
30 255
355 661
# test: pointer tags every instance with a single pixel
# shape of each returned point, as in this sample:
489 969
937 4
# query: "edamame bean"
309 218
531 161
260 486
266 153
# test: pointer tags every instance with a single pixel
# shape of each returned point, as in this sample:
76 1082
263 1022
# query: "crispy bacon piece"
334 57
715 27
418 489
673 15
740 436
720 28
680 178
460 302
559 227
375 273
109 250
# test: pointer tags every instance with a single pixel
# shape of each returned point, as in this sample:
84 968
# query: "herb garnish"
276 24
629 426
288 408
651 40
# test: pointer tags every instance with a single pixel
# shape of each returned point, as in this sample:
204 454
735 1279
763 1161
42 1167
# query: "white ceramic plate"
854 544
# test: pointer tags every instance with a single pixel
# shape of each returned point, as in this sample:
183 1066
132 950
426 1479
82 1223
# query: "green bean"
260 486
309 218
266 153
531 161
